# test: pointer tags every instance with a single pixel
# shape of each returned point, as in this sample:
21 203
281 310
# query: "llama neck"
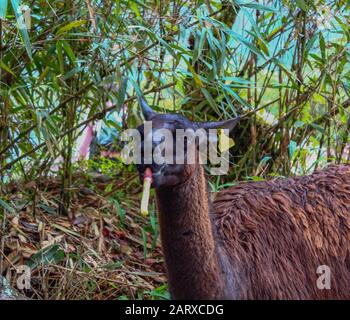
192 255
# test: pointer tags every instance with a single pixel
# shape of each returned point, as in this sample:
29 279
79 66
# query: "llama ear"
147 111
225 124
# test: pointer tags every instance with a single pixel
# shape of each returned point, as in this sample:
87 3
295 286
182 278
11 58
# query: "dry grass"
97 255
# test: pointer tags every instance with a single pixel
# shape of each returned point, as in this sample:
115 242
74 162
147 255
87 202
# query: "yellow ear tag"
225 142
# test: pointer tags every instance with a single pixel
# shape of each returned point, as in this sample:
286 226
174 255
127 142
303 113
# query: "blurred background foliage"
282 65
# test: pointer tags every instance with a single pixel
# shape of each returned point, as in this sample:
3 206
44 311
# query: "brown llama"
261 240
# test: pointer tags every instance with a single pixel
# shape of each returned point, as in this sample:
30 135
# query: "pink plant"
85 145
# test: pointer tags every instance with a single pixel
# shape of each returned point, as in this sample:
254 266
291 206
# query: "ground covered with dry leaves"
106 250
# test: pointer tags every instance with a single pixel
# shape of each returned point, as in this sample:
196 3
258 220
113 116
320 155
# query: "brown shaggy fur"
261 240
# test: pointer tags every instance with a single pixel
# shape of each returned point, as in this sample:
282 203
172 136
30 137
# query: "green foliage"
106 166
49 255
282 65
160 293
152 229
6 206
120 211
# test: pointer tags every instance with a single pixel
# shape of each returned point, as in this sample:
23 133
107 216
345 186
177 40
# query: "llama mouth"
155 175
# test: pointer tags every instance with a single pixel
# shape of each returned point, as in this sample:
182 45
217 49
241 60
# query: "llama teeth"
147 181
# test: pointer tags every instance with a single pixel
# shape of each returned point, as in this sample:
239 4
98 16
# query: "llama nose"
155 168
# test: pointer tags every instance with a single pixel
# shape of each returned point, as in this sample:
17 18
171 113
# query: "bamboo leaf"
6 206
3 8
44 74
70 53
22 26
257 6
322 46
302 4
246 43
135 9
292 148
317 127
122 92
70 26
6 68
60 56
196 77
198 50
210 100
71 73
46 256
236 96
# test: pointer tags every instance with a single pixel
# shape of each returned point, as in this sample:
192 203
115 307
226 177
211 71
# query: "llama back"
278 233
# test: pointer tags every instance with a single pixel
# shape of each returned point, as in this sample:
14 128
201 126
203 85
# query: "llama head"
167 141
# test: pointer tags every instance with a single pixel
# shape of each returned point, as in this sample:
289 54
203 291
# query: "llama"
260 240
